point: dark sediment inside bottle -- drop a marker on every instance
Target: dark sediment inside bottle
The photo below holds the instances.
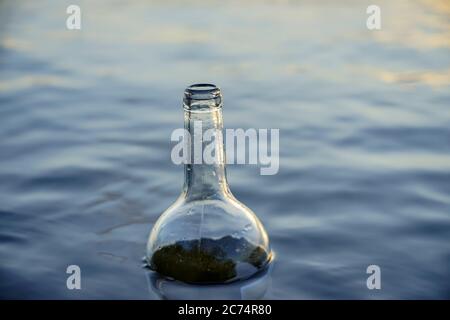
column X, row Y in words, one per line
column 209, row 260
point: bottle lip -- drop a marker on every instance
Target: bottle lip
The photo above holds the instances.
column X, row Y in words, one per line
column 202, row 97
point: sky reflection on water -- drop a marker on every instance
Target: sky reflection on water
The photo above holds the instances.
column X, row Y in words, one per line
column 364, row 119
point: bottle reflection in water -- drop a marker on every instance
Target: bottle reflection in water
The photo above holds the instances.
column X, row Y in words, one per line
column 253, row 288
column 207, row 236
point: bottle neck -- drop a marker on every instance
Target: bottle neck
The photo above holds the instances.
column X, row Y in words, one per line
column 205, row 172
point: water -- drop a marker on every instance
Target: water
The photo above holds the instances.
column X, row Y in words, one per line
column 364, row 119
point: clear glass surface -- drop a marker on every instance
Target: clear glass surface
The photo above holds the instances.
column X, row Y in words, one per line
column 207, row 235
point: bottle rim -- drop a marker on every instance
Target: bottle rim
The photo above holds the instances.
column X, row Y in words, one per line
column 201, row 97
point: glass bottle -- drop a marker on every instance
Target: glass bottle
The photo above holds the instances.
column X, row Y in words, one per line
column 206, row 235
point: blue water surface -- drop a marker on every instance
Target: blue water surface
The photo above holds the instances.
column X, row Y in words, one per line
column 364, row 118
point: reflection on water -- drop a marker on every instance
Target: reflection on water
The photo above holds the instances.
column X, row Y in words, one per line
column 253, row 288
column 364, row 119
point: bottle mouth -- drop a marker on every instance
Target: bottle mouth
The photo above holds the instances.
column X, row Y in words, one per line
column 202, row 97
